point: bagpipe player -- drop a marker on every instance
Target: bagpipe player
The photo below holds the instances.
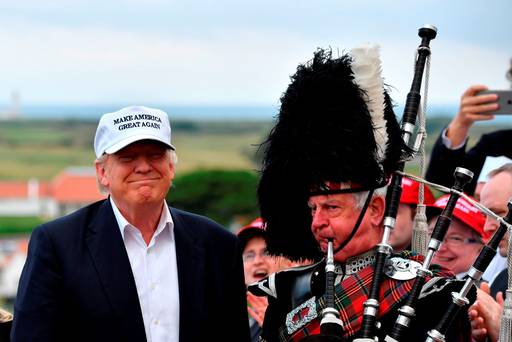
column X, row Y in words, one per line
column 326, row 165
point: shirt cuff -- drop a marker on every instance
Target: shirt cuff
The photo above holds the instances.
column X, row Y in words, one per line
column 448, row 143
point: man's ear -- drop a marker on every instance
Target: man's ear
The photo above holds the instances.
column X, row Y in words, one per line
column 101, row 173
column 173, row 171
column 376, row 210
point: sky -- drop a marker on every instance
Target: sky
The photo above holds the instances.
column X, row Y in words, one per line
column 232, row 52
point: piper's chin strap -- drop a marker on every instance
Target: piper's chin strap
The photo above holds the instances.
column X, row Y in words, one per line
column 358, row 222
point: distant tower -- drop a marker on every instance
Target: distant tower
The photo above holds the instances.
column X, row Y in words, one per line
column 14, row 111
column 509, row 73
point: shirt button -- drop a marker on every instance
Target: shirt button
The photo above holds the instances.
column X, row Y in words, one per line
column 156, row 322
column 152, row 286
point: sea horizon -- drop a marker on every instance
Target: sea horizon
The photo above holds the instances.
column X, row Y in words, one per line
column 195, row 112
column 181, row 112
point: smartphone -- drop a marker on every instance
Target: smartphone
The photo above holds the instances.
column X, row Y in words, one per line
column 504, row 101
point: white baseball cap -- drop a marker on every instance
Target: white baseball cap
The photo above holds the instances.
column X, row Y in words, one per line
column 119, row 129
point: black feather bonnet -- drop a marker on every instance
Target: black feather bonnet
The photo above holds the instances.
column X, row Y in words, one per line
column 336, row 124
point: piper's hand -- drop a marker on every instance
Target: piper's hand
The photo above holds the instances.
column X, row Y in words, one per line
column 473, row 107
column 257, row 307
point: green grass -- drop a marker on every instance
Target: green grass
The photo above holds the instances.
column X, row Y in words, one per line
column 18, row 225
column 41, row 149
column 217, row 151
column 46, row 133
column 40, row 161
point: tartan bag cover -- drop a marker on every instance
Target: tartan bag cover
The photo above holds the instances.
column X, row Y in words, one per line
column 350, row 295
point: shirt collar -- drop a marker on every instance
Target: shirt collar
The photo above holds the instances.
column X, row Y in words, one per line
column 356, row 263
column 122, row 222
column 461, row 275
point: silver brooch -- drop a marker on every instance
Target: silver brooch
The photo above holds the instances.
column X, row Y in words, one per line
column 301, row 315
column 401, row 269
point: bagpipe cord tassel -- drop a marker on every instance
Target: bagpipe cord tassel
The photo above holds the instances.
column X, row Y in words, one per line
column 420, row 236
column 420, row 230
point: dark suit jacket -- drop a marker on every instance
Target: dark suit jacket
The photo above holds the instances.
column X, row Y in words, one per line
column 443, row 161
column 500, row 283
column 77, row 283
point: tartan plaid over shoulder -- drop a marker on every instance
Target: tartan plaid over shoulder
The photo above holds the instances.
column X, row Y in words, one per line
column 350, row 295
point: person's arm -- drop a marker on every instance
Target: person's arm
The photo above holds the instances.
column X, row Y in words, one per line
column 473, row 107
column 37, row 308
column 443, row 161
column 449, row 150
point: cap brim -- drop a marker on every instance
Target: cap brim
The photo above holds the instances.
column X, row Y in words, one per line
column 435, row 211
column 246, row 234
column 432, row 211
column 125, row 142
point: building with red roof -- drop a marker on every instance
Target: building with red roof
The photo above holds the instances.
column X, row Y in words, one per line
column 71, row 189
column 74, row 188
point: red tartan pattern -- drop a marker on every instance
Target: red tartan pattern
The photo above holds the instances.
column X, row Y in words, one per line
column 352, row 292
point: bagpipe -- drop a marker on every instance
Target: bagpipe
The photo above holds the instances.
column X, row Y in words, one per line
column 462, row 177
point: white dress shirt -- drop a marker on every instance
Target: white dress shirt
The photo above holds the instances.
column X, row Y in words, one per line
column 156, row 275
column 497, row 264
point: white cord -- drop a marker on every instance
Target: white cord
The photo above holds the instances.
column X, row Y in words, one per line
column 445, row 189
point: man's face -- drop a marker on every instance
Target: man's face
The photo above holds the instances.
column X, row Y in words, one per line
column 137, row 175
column 402, row 232
column 478, row 190
column 257, row 264
column 495, row 195
column 459, row 249
column 334, row 217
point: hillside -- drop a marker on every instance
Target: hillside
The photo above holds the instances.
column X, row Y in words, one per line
column 42, row 148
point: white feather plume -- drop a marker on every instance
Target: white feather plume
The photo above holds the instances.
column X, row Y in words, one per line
column 366, row 67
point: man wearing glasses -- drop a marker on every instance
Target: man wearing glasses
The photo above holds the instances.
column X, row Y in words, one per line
column 464, row 239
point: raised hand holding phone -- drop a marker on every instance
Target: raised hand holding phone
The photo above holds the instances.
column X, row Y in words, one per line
column 474, row 106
